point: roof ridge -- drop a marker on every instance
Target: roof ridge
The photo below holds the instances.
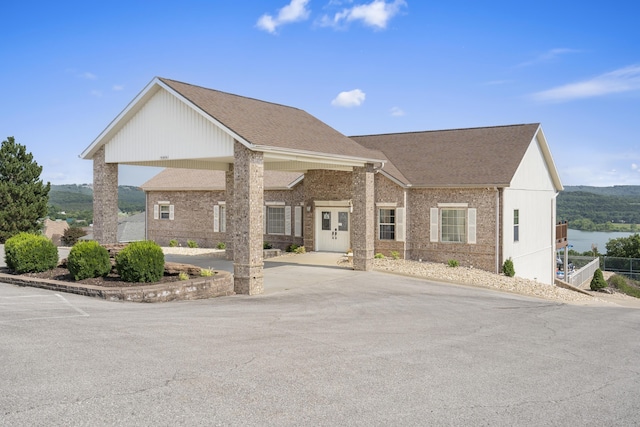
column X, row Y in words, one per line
column 445, row 130
column 164, row 79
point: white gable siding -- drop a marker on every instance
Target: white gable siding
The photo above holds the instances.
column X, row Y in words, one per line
column 532, row 193
column 168, row 129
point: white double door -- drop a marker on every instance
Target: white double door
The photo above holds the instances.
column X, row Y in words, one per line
column 332, row 229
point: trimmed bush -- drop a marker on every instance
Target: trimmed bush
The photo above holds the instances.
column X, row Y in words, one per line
column 221, row 245
column 597, row 282
column 453, row 263
column 173, row 243
column 72, row 234
column 192, row 243
column 267, row 245
column 30, row 253
column 140, row 262
column 507, row 268
column 88, row 259
column 300, row 250
column 292, row 247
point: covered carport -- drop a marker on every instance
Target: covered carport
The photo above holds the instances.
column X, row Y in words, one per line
column 178, row 125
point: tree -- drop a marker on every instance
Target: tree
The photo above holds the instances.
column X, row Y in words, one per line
column 23, row 195
column 624, row 247
column 597, row 282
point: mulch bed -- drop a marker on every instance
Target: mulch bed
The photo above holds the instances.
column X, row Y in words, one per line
column 110, row 281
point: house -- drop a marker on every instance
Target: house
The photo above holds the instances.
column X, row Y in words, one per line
column 245, row 171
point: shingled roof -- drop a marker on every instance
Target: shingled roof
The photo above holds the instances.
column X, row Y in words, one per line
column 486, row 156
column 265, row 124
column 206, row 180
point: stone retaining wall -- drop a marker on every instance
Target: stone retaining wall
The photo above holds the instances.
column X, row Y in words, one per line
column 220, row 284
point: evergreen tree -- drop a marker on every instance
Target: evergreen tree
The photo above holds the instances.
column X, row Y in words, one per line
column 23, row 195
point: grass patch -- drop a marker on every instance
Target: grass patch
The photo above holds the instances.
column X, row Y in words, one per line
column 625, row 285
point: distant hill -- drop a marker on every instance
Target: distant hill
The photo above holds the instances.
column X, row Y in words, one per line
column 75, row 198
column 617, row 204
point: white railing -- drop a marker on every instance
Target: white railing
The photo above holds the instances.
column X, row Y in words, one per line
column 580, row 276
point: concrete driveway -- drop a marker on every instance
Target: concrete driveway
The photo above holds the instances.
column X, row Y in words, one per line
column 323, row 346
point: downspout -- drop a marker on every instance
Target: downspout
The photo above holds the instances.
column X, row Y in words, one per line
column 406, row 225
column 497, row 229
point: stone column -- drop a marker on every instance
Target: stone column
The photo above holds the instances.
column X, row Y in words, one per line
column 229, row 206
column 105, row 199
column 363, row 218
column 248, row 202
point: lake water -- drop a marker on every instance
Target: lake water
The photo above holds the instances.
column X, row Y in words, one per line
column 582, row 240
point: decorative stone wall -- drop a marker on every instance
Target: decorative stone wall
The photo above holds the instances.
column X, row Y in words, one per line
column 481, row 255
column 248, row 199
column 192, row 220
column 362, row 218
column 105, row 199
column 229, row 183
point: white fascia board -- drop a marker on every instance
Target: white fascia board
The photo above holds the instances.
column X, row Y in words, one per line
column 394, row 179
column 275, row 153
column 131, row 108
column 137, row 103
column 544, row 146
column 296, row 181
column 213, row 120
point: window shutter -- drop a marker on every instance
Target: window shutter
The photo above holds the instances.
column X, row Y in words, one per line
column 171, row 212
column 298, row 221
column 471, row 212
column 156, row 212
column 287, row 220
column 216, row 218
column 433, row 231
column 264, row 220
column 400, row 224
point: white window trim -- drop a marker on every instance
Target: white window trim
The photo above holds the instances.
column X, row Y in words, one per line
column 380, row 223
column 435, row 223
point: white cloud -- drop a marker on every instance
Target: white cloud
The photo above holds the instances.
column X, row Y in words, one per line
column 117, row 88
column 622, row 80
column 96, row 93
column 634, row 167
column 293, row 12
column 88, row 76
column 397, row 112
column 549, row 56
column 376, row 14
column 352, row 98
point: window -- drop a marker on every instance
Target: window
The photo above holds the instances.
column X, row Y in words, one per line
column 343, row 221
column 326, row 221
column 387, row 221
column 275, row 220
column 164, row 211
column 516, row 225
column 453, row 225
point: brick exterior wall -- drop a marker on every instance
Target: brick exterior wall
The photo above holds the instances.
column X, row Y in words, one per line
column 481, row 255
column 193, row 218
column 386, row 191
column 362, row 218
column 290, row 198
column 105, row 199
column 323, row 185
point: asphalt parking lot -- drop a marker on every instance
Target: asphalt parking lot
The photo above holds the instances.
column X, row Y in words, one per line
column 322, row 346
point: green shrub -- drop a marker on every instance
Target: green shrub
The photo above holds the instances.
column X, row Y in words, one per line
column 72, row 234
column 140, row 262
column 221, row 245
column 395, row 254
column 292, row 247
column 624, row 285
column 597, row 282
column 183, row 276
column 300, row 250
column 88, row 259
column 206, row 272
column 30, row 253
column 173, row 243
column 507, row 268
column 192, row 243
column 379, row 256
column 267, row 245
column 453, row 263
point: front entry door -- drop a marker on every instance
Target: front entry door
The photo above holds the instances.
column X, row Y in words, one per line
column 333, row 229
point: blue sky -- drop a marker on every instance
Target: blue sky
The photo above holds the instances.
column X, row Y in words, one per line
column 361, row 66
